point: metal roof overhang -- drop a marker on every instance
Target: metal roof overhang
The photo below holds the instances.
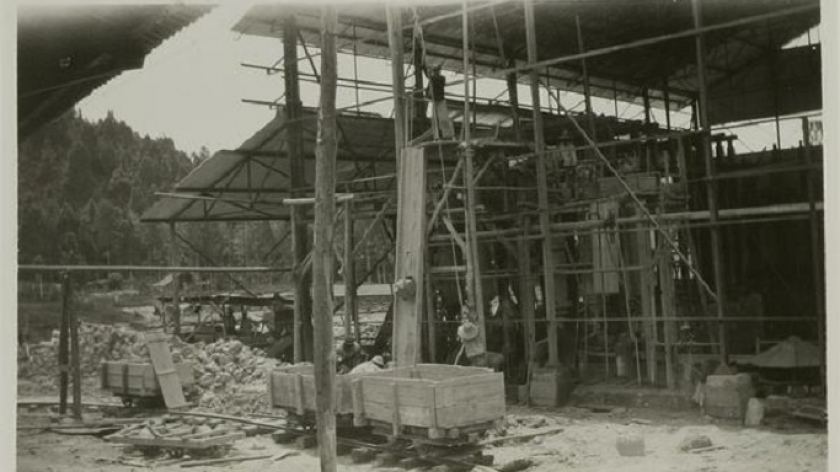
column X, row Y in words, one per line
column 66, row 52
column 623, row 75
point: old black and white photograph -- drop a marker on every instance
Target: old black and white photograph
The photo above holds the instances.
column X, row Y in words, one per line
column 420, row 235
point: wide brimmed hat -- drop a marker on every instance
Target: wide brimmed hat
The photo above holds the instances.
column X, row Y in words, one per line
column 468, row 331
column 378, row 360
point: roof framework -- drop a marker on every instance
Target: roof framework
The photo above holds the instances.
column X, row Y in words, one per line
column 66, row 52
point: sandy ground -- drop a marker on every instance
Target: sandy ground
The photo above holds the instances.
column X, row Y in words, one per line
column 586, row 444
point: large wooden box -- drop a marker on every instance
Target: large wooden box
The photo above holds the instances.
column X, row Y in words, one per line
column 433, row 397
column 293, row 388
column 138, row 379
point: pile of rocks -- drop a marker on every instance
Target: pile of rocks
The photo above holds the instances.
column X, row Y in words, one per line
column 230, row 376
column 97, row 343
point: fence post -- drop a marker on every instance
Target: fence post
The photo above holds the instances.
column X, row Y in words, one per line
column 63, row 348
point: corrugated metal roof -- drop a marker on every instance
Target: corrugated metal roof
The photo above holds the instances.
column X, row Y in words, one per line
column 66, row 52
column 603, row 24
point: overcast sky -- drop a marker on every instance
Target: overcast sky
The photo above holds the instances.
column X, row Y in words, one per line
column 191, row 89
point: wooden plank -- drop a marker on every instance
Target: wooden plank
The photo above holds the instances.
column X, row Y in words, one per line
column 408, row 415
column 486, row 388
column 170, row 383
column 411, row 204
column 359, row 418
column 469, row 413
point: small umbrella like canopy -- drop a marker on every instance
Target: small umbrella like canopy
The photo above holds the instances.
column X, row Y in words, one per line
column 790, row 353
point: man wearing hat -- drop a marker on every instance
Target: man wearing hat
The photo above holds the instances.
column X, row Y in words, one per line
column 441, row 124
column 374, row 365
column 471, row 345
column 349, row 355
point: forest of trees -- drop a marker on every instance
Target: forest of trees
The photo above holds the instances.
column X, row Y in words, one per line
column 82, row 187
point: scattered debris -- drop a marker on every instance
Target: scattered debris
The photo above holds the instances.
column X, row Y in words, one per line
column 520, row 437
column 284, row 455
column 630, row 445
column 516, row 465
column 225, row 460
column 707, row 449
column 695, row 441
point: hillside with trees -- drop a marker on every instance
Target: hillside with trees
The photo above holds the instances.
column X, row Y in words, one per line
column 82, row 187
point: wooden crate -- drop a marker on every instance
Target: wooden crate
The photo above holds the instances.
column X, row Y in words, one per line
column 293, row 388
column 442, row 400
column 139, row 380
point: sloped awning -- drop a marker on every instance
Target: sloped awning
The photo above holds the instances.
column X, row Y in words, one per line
column 249, row 183
column 67, row 51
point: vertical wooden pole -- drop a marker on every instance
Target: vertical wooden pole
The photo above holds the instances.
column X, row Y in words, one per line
column 475, row 293
column 513, row 97
column 176, row 281
column 75, row 354
column 419, row 102
column 393, row 16
column 667, row 99
column 431, row 315
column 542, row 189
column 587, row 95
column 465, row 47
column 669, row 309
column 350, row 313
column 816, row 249
column 297, row 180
column 63, row 345
column 714, row 229
column 322, row 260
column 526, row 296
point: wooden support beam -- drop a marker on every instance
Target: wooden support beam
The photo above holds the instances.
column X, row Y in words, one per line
column 711, row 188
column 64, row 345
column 542, row 191
column 325, row 157
column 294, row 148
column 669, row 310
column 526, row 299
column 380, row 215
column 75, row 353
column 351, row 316
column 410, row 257
column 393, row 16
column 475, row 295
column 175, row 259
column 587, row 94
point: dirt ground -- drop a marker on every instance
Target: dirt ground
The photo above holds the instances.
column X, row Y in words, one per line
column 586, row 444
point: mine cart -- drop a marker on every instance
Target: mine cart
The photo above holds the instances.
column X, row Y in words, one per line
column 133, row 381
column 432, row 403
column 292, row 388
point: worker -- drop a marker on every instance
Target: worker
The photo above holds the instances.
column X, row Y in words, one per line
column 441, row 124
column 349, row 355
column 471, row 345
column 473, row 349
column 374, row 365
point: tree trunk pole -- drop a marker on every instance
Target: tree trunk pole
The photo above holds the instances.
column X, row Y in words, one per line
column 302, row 331
column 711, row 189
column 75, row 355
column 322, row 266
column 63, row 345
column 351, row 320
column 176, row 284
column 542, row 189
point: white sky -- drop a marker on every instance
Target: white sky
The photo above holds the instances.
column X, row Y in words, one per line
column 191, row 89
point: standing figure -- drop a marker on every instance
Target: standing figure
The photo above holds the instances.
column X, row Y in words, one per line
column 441, row 124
